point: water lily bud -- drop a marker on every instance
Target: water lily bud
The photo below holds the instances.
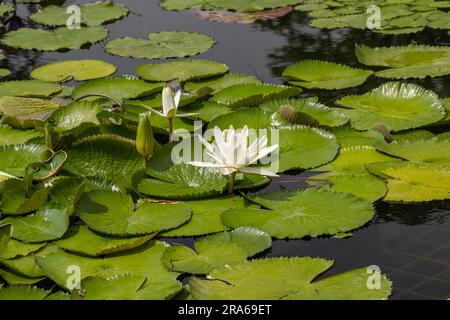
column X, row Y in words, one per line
column 145, row 142
column 168, row 102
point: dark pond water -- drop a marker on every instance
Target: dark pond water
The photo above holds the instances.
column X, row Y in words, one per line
column 408, row 242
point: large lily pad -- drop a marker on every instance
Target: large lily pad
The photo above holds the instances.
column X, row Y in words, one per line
column 76, row 114
column 260, row 279
column 79, row 239
column 58, row 39
column 117, row 87
column 105, row 156
column 161, row 45
column 325, row 75
column 23, row 292
column 218, row 83
column 28, row 88
column 412, row 61
column 92, row 14
column 252, row 94
column 399, row 106
column 17, row 198
column 182, row 70
column 11, row 136
column 297, row 214
column 216, row 251
column 143, row 261
column 15, row 158
column 348, row 137
column 432, row 150
column 126, row 287
column 78, row 70
column 114, row 213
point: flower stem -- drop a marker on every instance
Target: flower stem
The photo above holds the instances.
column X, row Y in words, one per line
column 170, row 128
column 232, row 182
column 145, row 162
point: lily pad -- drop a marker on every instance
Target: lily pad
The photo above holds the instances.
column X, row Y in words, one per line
column 78, row 70
column 76, row 114
column 235, row 5
column 117, row 87
column 348, row 137
column 241, row 95
column 23, row 292
column 325, row 75
column 218, row 83
column 105, row 156
column 161, row 45
column 217, row 250
column 228, row 16
column 92, row 14
column 432, row 150
column 296, row 214
column 143, row 261
column 18, row 199
column 28, row 88
column 114, row 213
column 81, row 240
column 14, row 159
column 364, row 186
column 399, row 106
column 260, row 279
column 183, row 70
column 5, row 8
column 412, row 61
column 12, row 136
column 58, row 39
column 125, row 287
column 4, row 73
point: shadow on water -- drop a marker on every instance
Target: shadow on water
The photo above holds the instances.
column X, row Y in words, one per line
column 409, row 242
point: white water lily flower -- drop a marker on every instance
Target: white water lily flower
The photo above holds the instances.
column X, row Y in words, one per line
column 170, row 102
column 232, row 153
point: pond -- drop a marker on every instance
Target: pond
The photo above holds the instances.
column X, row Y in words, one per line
column 409, row 242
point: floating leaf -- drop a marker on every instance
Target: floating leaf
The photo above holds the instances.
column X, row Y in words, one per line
column 143, row 261
column 91, row 14
column 13, row 278
column 15, row 159
column 23, row 293
column 241, row 95
column 412, row 61
column 28, row 88
column 217, row 250
column 182, row 70
column 161, row 45
column 4, row 73
column 12, row 136
column 366, row 187
column 78, row 70
column 399, row 106
column 325, row 116
column 58, row 39
column 206, row 216
column 126, row 287
column 297, row 214
column 76, row 114
column 5, row 8
column 16, row 249
column 348, row 137
column 260, row 279
column 117, row 87
column 235, row 5
column 18, row 199
column 325, row 75
column 80, row 239
column 432, row 150
column 218, row 83
column 105, row 156
column 114, row 213
column 227, row 16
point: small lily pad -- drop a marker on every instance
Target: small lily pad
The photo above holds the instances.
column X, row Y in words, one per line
column 28, row 88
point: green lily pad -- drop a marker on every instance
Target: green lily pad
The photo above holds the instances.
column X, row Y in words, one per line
column 22, row 112
column 206, row 216
column 114, row 213
column 5, row 8
column 260, row 279
column 399, row 106
column 16, row 249
column 412, row 61
column 78, row 70
column 4, row 73
column 325, row 116
column 183, row 70
column 126, row 287
column 13, row 278
column 218, row 83
column 241, row 95
column 417, row 183
column 366, row 186
column 81, row 240
column 348, row 137
column 76, row 114
column 117, row 87
column 235, row 5
column 12, row 136
column 92, row 14
column 15, row 158
column 23, row 292
column 17, row 199
column 217, row 250
column 432, row 150
column 207, row 110
column 161, row 45
column 296, row 214
column 143, row 261
column 105, row 156
column 28, row 88
column 325, row 75
column 58, row 39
